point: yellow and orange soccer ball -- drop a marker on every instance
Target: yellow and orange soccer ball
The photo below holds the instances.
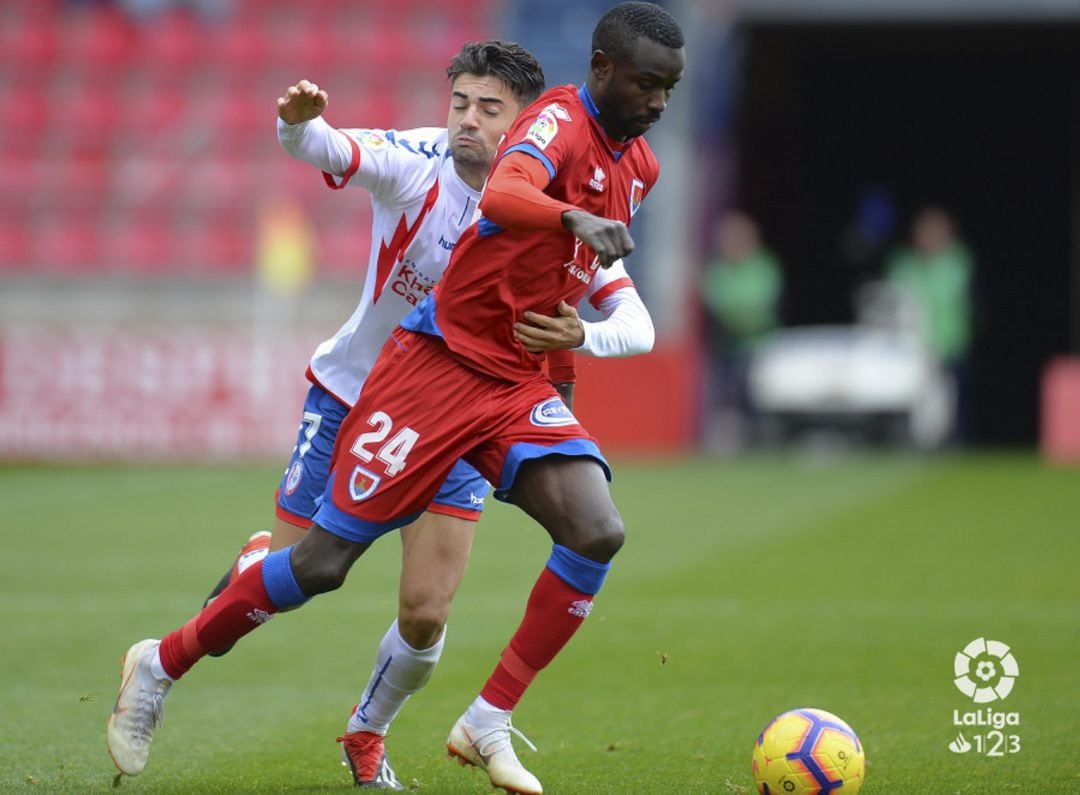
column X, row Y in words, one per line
column 806, row 752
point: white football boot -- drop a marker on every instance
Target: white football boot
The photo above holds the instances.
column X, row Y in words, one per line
column 139, row 709
column 488, row 747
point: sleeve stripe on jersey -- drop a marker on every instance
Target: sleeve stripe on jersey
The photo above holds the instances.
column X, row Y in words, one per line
column 354, row 166
column 529, row 149
column 484, row 227
column 608, row 289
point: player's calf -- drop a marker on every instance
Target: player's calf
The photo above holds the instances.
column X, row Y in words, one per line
column 256, row 548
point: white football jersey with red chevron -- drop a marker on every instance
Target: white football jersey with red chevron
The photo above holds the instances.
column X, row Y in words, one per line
column 420, row 207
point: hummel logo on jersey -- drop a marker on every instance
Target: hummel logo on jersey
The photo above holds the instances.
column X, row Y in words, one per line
column 259, row 616
column 597, row 181
column 580, row 608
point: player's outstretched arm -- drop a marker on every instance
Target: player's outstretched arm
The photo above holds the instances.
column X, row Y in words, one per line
column 305, row 135
column 302, row 102
column 514, row 199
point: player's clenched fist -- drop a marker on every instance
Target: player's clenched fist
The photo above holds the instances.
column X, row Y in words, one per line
column 609, row 239
column 302, row 102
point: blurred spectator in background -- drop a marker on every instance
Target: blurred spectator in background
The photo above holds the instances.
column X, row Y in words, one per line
column 866, row 236
column 284, row 247
column 935, row 272
column 741, row 290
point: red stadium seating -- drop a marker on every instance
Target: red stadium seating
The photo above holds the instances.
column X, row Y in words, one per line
column 142, row 147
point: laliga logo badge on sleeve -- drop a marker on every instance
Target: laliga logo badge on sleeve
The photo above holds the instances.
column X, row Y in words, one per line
column 543, row 130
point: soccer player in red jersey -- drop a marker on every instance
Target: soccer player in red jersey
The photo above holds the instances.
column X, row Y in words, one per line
column 454, row 381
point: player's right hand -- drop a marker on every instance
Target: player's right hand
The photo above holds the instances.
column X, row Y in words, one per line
column 301, row 102
column 609, row 239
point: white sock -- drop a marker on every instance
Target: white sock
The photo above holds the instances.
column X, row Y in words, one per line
column 156, row 667
column 483, row 713
column 400, row 670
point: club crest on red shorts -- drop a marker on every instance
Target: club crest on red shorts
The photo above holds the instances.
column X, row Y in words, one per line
column 362, row 484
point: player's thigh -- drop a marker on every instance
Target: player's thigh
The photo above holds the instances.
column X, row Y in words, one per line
column 548, row 465
column 569, row 497
column 419, row 412
column 435, row 554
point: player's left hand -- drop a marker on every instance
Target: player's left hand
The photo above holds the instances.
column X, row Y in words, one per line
column 543, row 333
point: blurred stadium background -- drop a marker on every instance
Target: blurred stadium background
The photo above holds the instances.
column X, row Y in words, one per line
column 165, row 268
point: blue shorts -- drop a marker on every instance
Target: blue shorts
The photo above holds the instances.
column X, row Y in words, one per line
column 301, row 490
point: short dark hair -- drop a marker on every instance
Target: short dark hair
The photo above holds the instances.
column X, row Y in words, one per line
column 619, row 29
column 506, row 60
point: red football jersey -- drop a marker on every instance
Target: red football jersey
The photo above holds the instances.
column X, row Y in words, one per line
column 495, row 274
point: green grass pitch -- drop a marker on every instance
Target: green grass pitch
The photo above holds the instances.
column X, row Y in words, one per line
column 746, row 587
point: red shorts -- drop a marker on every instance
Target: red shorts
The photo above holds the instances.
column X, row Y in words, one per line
column 420, row 411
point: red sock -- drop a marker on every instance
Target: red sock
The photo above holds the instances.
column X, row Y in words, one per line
column 240, row 608
column 552, row 616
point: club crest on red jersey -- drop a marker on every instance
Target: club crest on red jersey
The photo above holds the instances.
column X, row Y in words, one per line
column 362, row 484
column 551, row 413
column 637, row 195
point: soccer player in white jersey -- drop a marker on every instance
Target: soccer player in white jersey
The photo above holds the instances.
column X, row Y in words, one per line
column 424, row 184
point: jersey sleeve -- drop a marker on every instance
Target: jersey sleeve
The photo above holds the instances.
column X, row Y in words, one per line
column 395, row 167
column 548, row 133
column 606, row 281
column 514, row 196
column 561, row 367
column 626, row 330
column 317, row 143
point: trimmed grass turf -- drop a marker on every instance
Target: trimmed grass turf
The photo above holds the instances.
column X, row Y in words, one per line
column 746, row 588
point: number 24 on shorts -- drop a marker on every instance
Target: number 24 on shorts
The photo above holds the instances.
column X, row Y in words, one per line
column 394, row 451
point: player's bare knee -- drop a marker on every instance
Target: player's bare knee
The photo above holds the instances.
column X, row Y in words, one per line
column 320, row 561
column 319, row 576
column 317, row 573
column 421, row 628
column 601, row 540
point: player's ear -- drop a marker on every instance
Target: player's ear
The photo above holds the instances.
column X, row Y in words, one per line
column 601, row 65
